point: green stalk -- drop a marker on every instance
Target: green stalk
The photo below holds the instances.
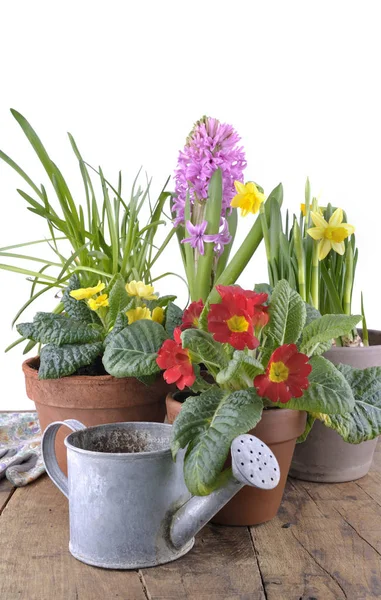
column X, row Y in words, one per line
column 189, row 258
column 307, row 201
column 246, row 250
column 266, row 239
column 299, row 252
column 348, row 281
column 315, row 266
column 365, row 332
column 212, row 216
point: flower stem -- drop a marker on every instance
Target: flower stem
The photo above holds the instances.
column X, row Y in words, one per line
column 348, row 283
column 299, row 251
column 315, row 266
column 212, row 216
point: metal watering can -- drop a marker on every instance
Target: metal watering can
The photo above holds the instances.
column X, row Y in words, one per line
column 128, row 502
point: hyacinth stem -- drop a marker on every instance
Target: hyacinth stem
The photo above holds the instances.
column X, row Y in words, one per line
column 204, row 278
column 222, row 261
column 299, row 251
column 348, row 282
column 189, row 259
column 246, row 250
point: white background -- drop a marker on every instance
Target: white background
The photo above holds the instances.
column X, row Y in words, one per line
column 300, row 81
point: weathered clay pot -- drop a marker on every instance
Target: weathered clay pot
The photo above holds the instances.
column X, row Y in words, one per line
column 279, row 429
column 93, row 400
column 324, row 456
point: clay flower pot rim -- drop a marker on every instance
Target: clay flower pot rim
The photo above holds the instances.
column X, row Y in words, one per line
column 29, row 371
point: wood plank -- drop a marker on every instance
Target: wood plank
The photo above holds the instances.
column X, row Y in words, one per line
column 35, row 562
column 324, row 552
column 6, row 491
column 221, row 566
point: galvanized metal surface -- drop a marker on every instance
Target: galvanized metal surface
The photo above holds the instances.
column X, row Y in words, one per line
column 125, row 492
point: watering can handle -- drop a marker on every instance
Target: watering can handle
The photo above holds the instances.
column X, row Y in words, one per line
column 49, row 452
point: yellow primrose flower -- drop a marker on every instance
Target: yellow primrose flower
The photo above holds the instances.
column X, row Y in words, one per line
column 321, row 209
column 330, row 235
column 98, row 302
column 158, row 315
column 136, row 314
column 248, row 198
column 140, row 289
column 83, row 293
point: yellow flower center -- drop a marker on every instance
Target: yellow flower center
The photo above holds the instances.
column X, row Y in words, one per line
column 278, row 372
column 336, row 234
column 237, row 324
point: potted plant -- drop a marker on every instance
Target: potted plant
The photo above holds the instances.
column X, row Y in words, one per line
column 100, row 240
column 69, row 380
column 266, row 373
column 109, row 232
column 208, row 190
column 317, row 254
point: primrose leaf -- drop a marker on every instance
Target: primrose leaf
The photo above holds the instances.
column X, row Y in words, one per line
column 60, row 361
column 319, row 333
column 205, row 349
column 287, row 314
column 363, row 422
column 173, row 318
column 329, row 392
column 58, row 329
column 78, row 309
column 162, row 301
column 133, row 351
column 208, row 424
column 118, row 299
column 242, row 366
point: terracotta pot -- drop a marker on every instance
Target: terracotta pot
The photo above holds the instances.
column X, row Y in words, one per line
column 279, row 429
column 93, row 400
column 324, row 456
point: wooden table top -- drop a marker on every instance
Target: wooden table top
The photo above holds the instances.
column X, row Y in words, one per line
column 325, row 544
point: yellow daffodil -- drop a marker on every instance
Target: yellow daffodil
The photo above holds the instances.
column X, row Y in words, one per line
column 136, row 314
column 330, row 235
column 248, row 198
column 321, row 209
column 140, row 289
column 98, row 302
column 158, row 314
column 83, row 293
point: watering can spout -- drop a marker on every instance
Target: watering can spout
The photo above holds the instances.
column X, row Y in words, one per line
column 253, row 464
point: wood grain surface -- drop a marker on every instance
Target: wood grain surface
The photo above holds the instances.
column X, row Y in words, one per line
column 325, row 544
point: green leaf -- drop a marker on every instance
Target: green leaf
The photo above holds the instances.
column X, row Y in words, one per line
column 312, row 313
column 329, row 392
column 77, row 309
column 242, row 365
column 121, row 322
column 264, row 288
column 162, row 301
column 58, row 329
column 59, row 361
column 133, row 351
column 309, row 424
column 287, row 314
column 208, row 424
column 205, row 349
column 363, row 422
column 318, row 335
column 118, row 299
column 200, row 384
column 173, row 318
